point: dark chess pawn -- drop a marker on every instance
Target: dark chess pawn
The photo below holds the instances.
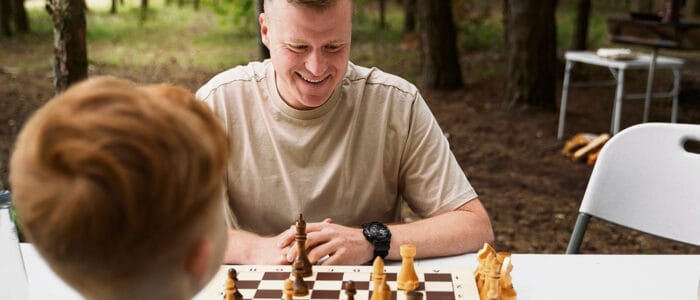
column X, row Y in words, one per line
column 350, row 289
column 414, row 295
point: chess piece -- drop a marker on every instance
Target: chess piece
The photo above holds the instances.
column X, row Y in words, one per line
column 288, row 291
column 232, row 292
column 301, row 247
column 300, row 287
column 350, row 289
column 491, row 290
column 482, row 257
column 506, row 282
column 414, row 295
column 380, row 290
column 407, row 279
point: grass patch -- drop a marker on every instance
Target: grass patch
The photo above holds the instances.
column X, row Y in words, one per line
column 171, row 35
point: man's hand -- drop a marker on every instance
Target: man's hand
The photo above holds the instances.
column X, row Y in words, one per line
column 341, row 245
column 250, row 249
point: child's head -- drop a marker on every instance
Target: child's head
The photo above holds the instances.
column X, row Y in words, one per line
column 120, row 188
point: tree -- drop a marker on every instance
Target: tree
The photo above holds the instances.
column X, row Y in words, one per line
column 113, row 8
column 144, row 11
column 409, row 16
column 259, row 8
column 382, row 14
column 580, row 37
column 70, row 51
column 531, row 47
column 5, row 14
column 19, row 14
column 440, row 60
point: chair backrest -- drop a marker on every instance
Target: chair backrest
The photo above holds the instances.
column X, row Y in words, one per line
column 646, row 179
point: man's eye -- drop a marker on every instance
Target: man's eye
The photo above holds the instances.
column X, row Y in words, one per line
column 333, row 48
column 297, row 48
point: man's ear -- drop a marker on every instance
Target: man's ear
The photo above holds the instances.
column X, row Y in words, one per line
column 264, row 30
column 197, row 261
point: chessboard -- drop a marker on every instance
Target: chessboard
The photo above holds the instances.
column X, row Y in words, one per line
column 267, row 282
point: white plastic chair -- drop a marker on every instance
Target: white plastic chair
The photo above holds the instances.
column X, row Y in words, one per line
column 645, row 179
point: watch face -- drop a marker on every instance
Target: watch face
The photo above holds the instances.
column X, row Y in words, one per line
column 377, row 231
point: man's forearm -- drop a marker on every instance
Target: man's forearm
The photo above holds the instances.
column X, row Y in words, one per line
column 250, row 249
column 463, row 230
column 239, row 246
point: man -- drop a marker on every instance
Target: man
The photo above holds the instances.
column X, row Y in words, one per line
column 341, row 144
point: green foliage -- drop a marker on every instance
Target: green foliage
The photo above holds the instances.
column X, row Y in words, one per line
column 372, row 46
column 481, row 34
column 213, row 37
column 597, row 26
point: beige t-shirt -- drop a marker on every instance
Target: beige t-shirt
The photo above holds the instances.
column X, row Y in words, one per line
column 352, row 159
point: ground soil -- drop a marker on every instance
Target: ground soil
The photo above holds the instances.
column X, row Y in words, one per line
column 511, row 156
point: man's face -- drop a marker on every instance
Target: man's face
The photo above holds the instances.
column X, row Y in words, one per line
column 309, row 49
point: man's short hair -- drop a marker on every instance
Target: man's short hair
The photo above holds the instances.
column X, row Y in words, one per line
column 109, row 178
column 319, row 5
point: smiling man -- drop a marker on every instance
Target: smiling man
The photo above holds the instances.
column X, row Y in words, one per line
column 340, row 143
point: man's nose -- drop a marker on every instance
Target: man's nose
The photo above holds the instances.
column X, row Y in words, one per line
column 316, row 63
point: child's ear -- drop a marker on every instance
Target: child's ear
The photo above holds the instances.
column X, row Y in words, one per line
column 264, row 30
column 198, row 261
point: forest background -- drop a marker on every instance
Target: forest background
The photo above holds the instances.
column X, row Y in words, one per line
column 510, row 153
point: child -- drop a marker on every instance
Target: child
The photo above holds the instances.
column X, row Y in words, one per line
column 120, row 188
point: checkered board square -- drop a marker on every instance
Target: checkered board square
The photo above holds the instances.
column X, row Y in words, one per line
column 267, row 282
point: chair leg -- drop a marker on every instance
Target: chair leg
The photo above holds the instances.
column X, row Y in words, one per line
column 578, row 233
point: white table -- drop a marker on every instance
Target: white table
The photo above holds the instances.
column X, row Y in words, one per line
column 618, row 68
column 535, row 276
column 13, row 281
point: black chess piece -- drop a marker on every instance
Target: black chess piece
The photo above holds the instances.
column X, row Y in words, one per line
column 350, row 289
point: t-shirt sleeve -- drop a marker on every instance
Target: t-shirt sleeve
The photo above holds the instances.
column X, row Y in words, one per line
column 431, row 181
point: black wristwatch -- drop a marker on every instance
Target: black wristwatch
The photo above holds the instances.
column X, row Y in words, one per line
column 379, row 235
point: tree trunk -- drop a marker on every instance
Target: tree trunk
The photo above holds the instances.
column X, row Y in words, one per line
column 113, row 8
column 19, row 13
column 196, row 4
column 144, row 10
column 580, row 37
column 440, row 68
column 5, row 15
column 382, row 14
column 70, row 51
column 264, row 52
column 409, row 16
column 672, row 11
column 531, row 53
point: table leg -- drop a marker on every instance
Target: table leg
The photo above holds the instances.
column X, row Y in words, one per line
column 676, row 90
column 650, row 84
column 617, row 106
column 564, row 96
